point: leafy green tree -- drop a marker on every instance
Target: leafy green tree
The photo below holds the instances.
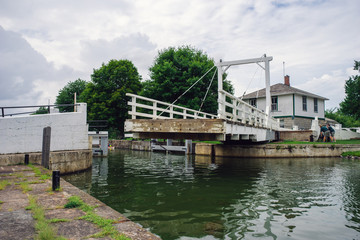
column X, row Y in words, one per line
column 175, row 70
column 345, row 120
column 105, row 94
column 41, row 110
column 66, row 94
column 351, row 103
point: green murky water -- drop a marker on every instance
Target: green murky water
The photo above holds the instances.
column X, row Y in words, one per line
column 180, row 197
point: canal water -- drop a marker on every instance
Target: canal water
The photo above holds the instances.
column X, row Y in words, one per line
column 196, row 197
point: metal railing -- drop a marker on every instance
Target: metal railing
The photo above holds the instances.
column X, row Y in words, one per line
column 142, row 107
column 97, row 125
column 45, row 107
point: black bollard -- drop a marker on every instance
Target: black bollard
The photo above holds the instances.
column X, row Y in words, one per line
column 26, row 161
column 56, row 180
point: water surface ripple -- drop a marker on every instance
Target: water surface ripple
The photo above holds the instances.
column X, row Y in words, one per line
column 180, row 197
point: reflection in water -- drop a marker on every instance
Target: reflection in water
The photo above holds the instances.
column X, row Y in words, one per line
column 186, row 197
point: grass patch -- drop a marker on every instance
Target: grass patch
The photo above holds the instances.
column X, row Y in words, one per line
column 51, row 192
column 211, row 142
column 45, row 177
column 56, row 220
column 36, row 182
column 74, row 202
column 356, row 141
column 38, row 172
column 351, row 153
column 103, row 223
column 43, row 228
column 25, row 187
column 19, row 175
column 3, row 184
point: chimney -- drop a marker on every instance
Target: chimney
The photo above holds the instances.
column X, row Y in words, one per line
column 287, row 80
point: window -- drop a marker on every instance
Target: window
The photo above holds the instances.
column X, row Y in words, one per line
column 304, row 103
column 253, row 102
column 274, row 103
column 315, row 105
column 282, row 123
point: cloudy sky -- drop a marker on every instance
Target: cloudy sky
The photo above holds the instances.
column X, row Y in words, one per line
column 44, row 43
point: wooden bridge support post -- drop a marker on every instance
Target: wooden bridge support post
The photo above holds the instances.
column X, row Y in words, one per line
column 267, row 91
column 189, row 148
column 104, row 144
column 45, row 157
column 221, row 95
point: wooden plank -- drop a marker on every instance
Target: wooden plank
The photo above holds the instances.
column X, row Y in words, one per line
column 174, row 135
column 216, row 126
column 45, row 158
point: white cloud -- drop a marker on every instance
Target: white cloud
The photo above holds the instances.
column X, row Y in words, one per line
column 67, row 39
column 135, row 47
column 330, row 85
column 26, row 77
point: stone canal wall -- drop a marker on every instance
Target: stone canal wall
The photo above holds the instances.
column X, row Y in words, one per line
column 249, row 151
column 64, row 161
column 275, row 150
column 132, row 145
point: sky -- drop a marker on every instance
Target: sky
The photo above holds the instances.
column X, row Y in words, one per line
column 44, row 44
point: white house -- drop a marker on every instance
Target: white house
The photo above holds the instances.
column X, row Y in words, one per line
column 294, row 107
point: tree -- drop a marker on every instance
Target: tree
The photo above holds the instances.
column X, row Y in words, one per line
column 105, row 94
column 66, row 94
column 175, row 70
column 351, row 104
column 41, row 110
column 345, row 120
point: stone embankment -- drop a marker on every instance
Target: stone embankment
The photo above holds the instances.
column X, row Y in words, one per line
column 64, row 161
column 253, row 151
column 275, row 150
column 22, row 218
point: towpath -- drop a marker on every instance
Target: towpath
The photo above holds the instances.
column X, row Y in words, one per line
column 26, row 189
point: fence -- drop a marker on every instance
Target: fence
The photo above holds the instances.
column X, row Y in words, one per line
column 41, row 109
column 230, row 107
column 235, row 109
column 142, row 107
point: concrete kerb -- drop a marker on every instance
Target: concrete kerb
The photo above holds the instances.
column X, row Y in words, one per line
column 64, row 161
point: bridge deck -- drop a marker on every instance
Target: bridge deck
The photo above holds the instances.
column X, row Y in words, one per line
column 197, row 129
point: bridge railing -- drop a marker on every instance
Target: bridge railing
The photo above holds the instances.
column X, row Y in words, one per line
column 235, row 109
column 142, row 107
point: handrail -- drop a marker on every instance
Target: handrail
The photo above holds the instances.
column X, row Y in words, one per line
column 33, row 106
column 47, row 105
column 240, row 111
column 243, row 112
column 169, row 109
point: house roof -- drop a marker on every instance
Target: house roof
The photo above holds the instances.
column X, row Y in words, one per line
column 281, row 89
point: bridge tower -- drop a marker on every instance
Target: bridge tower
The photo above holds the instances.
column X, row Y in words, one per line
column 227, row 65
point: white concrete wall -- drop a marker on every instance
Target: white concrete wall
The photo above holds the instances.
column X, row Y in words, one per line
column 345, row 134
column 69, row 131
